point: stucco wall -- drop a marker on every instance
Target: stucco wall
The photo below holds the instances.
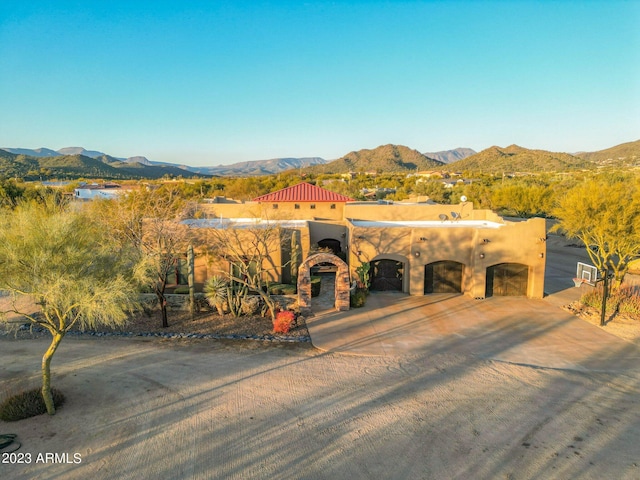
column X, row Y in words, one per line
column 398, row 211
column 476, row 248
column 285, row 210
column 321, row 230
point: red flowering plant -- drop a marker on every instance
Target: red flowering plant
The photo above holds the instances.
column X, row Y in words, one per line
column 283, row 322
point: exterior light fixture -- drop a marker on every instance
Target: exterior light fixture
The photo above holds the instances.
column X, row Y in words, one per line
column 541, row 255
column 423, row 239
column 485, row 240
column 416, row 254
column 482, row 255
column 358, row 253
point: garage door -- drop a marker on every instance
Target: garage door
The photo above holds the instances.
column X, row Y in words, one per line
column 443, row 277
column 507, row 279
column 386, row 275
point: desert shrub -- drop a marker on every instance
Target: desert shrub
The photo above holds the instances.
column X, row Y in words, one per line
column 251, row 305
column 623, row 300
column 593, row 298
column 629, row 300
column 216, row 292
column 630, row 306
column 27, row 404
column 358, row 298
column 283, row 322
column 364, row 278
column 182, row 289
column 282, row 289
column 316, row 282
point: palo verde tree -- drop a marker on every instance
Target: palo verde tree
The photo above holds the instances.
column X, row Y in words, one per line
column 58, row 258
column 150, row 223
column 248, row 253
column 605, row 215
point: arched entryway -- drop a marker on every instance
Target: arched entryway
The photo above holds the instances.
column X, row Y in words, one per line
column 507, row 279
column 304, row 281
column 331, row 243
column 387, row 275
column 443, row 277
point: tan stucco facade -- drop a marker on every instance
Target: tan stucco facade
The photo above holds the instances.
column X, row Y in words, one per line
column 486, row 253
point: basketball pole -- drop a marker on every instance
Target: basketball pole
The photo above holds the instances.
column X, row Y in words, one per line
column 605, row 289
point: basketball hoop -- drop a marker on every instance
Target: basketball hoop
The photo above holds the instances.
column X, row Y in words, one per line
column 586, row 273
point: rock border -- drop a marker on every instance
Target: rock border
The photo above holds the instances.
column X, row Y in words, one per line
column 170, row 335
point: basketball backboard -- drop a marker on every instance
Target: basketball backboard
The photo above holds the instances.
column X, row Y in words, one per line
column 587, row 273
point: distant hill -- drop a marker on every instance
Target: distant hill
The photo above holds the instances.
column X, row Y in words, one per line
column 28, row 163
column 449, row 156
column 38, row 152
column 47, row 152
column 518, row 159
column 256, row 167
column 386, row 158
column 80, row 151
column 626, row 154
column 79, row 166
column 260, row 167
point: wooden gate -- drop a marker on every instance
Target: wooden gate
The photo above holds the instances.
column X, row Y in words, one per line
column 386, row 275
column 443, row 277
column 507, row 279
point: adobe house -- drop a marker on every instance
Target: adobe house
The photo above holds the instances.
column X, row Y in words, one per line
column 415, row 248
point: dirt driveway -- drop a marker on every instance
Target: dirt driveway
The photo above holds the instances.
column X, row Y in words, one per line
column 206, row 409
column 472, row 403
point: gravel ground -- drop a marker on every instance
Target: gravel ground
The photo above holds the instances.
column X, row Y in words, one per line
column 180, row 323
column 200, row 409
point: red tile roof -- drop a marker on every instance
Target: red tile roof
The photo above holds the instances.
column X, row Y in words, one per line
column 303, row 192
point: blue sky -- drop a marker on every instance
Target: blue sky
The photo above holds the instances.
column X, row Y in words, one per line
column 208, row 82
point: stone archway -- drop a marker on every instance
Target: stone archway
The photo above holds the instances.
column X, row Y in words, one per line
column 304, row 281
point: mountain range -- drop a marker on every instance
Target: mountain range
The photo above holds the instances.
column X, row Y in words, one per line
column 518, row 159
column 76, row 162
column 514, row 158
column 256, row 167
column 75, row 166
column 386, row 158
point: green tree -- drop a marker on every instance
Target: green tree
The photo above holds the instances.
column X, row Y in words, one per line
column 57, row 258
column 523, row 200
column 149, row 222
column 605, row 216
column 10, row 193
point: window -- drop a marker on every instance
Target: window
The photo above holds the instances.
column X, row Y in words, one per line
column 275, row 206
column 313, row 206
column 250, row 267
column 178, row 275
column 333, row 206
column 296, row 206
